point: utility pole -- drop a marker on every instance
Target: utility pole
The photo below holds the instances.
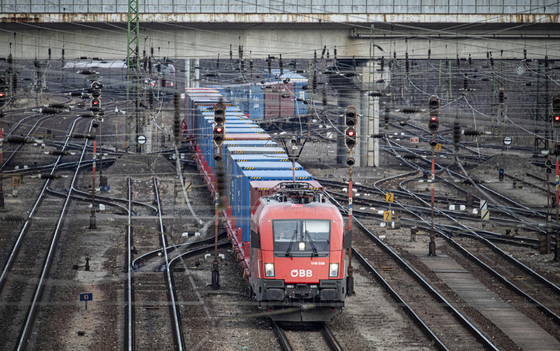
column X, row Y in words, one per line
column 132, row 74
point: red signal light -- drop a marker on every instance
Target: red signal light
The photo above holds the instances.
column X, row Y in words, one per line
column 219, row 130
column 434, row 118
column 96, row 102
column 1, row 94
column 557, row 118
column 351, row 133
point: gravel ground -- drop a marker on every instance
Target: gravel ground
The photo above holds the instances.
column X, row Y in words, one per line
column 371, row 317
column 224, row 319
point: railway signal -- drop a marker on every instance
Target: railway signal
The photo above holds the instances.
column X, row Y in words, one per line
column 501, row 175
column 219, row 132
column 95, row 104
column 433, row 106
column 556, row 110
column 387, row 116
column 457, row 135
column 3, row 91
column 219, row 113
column 95, row 96
column 350, row 120
column 218, row 135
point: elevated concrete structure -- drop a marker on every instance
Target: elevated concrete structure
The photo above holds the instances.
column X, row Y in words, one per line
column 204, row 28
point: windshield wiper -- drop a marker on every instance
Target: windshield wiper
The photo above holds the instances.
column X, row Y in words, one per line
column 291, row 243
column 307, row 238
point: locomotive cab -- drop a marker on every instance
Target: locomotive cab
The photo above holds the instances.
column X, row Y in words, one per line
column 297, row 254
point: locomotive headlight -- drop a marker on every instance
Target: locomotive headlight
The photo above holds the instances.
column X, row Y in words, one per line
column 269, row 269
column 333, row 271
column 301, row 246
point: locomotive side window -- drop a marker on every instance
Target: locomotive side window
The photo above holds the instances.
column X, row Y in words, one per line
column 301, row 238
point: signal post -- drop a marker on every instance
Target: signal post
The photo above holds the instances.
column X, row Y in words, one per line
column 218, row 135
column 433, row 125
column 95, row 106
column 3, row 102
column 556, row 124
column 350, row 120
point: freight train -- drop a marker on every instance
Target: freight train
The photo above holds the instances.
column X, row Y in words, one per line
column 288, row 238
column 280, row 95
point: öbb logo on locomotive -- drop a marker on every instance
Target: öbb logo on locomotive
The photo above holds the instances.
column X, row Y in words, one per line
column 301, row 273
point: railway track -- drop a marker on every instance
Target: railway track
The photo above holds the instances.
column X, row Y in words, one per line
column 423, row 208
column 315, row 336
column 454, row 329
column 153, row 295
column 546, row 285
column 26, row 266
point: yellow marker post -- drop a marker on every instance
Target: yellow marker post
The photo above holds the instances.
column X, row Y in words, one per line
column 389, row 197
column 387, row 216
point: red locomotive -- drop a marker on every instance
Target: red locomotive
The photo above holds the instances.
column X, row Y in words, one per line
column 297, row 254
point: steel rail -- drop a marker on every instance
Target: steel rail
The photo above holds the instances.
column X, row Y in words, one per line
column 173, row 307
column 504, row 281
column 281, row 337
column 129, row 307
column 15, row 249
column 198, row 250
column 40, row 285
column 510, row 212
column 488, row 235
column 500, row 252
column 84, row 198
column 431, row 290
column 408, row 310
column 136, row 262
column 12, row 154
column 329, row 338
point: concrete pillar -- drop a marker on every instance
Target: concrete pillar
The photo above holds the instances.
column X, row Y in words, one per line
column 373, row 128
column 187, row 73
column 196, row 73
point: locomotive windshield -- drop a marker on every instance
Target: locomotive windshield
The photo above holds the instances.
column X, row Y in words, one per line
column 303, row 237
